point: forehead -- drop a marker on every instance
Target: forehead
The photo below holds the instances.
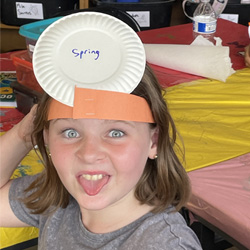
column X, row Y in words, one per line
column 95, row 121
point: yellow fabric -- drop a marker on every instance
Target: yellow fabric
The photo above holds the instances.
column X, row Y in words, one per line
column 213, row 118
column 30, row 165
column 12, row 236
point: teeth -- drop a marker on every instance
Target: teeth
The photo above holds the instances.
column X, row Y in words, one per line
column 94, row 177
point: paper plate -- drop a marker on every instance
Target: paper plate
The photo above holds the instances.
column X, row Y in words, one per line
column 88, row 50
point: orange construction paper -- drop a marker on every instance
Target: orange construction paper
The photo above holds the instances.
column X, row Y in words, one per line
column 102, row 104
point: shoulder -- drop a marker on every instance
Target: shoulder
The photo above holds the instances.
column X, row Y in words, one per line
column 166, row 230
column 18, row 186
column 181, row 236
column 17, row 193
column 54, row 219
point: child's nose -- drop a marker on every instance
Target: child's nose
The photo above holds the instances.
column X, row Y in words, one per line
column 91, row 150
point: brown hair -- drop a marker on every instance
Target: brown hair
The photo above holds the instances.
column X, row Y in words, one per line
column 164, row 181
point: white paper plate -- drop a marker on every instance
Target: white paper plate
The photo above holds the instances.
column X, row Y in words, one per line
column 88, row 50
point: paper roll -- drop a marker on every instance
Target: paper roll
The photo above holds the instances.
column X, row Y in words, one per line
column 207, row 61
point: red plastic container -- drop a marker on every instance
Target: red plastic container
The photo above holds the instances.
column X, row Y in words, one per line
column 24, row 70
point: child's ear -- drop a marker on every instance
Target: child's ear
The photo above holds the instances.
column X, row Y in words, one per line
column 154, row 143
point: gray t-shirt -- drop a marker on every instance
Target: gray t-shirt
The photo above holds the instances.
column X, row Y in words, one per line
column 65, row 230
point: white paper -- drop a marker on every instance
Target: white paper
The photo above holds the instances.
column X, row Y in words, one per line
column 230, row 17
column 142, row 17
column 29, row 10
column 198, row 59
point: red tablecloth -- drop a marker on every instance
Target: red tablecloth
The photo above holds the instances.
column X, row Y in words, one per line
column 232, row 34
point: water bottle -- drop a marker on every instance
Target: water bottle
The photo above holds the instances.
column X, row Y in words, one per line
column 204, row 20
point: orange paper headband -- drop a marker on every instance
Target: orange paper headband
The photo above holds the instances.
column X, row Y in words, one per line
column 102, row 104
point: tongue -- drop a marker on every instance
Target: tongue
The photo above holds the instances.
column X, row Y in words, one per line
column 94, row 187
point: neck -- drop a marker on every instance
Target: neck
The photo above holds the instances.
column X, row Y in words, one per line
column 113, row 217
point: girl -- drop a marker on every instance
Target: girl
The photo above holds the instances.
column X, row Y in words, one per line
column 103, row 186
column 107, row 183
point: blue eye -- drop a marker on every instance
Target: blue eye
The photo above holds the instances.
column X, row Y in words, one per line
column 116, row 133
column 71, row 133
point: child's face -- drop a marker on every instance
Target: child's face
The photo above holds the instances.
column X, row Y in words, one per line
column 100, row 161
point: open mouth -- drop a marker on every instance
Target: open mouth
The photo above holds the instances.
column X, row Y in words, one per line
column 93, row 183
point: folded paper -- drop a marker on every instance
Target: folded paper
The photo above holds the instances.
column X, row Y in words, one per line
column 202, row 60
column 102, row 104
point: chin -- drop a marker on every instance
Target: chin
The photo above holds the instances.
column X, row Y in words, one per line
column 92, row 203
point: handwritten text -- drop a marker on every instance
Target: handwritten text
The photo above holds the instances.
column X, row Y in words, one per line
column 86, row 52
